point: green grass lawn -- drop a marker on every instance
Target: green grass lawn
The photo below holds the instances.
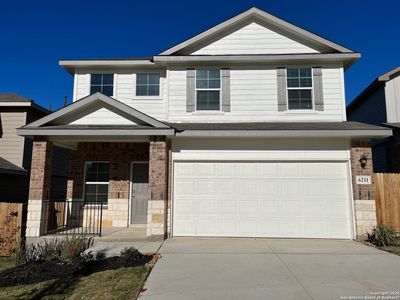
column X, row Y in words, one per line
column 122, row 283
column 391, row 249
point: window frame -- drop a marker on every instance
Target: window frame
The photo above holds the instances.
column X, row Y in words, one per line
column 208, row 89
column 94, row 182
column 102, row 73
column 159, row 85
column 312, row 109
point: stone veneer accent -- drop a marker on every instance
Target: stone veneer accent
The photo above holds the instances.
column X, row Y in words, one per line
column 39, row 188
column 364, row 197
column 158, row 184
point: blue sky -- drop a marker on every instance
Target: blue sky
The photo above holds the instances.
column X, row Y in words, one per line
column 36, row 34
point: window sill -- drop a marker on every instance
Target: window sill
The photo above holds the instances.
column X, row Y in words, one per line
column 147, row 98
column 208, row 112
column 301, row 112
column 87, row 206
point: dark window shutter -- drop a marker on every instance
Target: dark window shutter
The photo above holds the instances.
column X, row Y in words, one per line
column 190, row 90
column 282, row 101
column 226, row 89
column 318, row 91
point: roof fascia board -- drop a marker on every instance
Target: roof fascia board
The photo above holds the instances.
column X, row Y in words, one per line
column 71, row 65
column 85, row 102
column 93, row 132
column 257, row 58
column 264, row 16
column 379, row 133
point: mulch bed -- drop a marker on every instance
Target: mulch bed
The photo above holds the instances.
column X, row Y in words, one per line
column 45, row 270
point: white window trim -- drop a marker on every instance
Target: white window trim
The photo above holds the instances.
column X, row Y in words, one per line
column 209, row 111
column 104, row 73
column 93, row 182
column 161, row 85
column 301, row 111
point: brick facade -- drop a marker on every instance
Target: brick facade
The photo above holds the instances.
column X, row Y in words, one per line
column 39, row 188
column 364, row 197
column 120, row 156
column 158, row 183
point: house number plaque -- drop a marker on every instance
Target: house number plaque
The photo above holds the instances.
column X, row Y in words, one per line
column 363, row 179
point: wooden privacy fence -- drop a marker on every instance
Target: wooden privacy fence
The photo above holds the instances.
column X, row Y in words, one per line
column 12, row 226
column 387, row 195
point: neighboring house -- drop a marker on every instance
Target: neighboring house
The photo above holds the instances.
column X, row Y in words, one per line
column 16, row 151
column 379, row 104
column 239, row 131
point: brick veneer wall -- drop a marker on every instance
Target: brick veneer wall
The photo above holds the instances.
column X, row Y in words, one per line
column 39, row 188
column 158, row 182
column 364, row 197
column 120, row 156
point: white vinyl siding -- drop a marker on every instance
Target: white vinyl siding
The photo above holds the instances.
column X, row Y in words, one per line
column 254, row 97
column 11, row 144
column 254, row 39
column 102, row 116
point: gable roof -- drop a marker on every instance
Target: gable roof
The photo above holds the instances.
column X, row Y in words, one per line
column 66, row 113
column 259, row 15
column 372, row 87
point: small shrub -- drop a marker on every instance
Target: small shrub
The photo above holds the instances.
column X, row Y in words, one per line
column 71, row 249
column 383, row 236
column 131, row 254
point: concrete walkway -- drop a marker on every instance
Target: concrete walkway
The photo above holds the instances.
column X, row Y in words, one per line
column 110, row 248
column 193, row 268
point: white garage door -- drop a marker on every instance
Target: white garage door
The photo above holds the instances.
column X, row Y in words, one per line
column 261, row 199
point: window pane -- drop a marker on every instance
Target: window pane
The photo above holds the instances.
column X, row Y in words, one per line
column 207, row 100
column 95, row 79
column 201, row 84
column 300, row 99
column 306, row 82
column 141, row 90
column 214, row 74
column 293, row 82
column 305, row 72
column 214, row 84
column 95, row 89
column 154, row 90
column 108, row 90
column 154, row 79
column 97, row 172
column 108, row 79
column 203, row 74
column 292, row 72
column 141, row 79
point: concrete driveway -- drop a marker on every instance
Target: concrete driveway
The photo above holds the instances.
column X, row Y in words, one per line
column 199, row 268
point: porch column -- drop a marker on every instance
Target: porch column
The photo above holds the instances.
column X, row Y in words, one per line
column 158, row 183
column 363, row 193
column 39, row 188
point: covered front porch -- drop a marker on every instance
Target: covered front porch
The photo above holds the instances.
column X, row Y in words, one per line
column 117, row 175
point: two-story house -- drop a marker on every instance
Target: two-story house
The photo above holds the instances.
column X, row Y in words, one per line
column 16, row 151
column 239, row 131
column 379, row 104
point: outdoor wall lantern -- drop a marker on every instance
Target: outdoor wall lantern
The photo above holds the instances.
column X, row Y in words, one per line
column 363, row 161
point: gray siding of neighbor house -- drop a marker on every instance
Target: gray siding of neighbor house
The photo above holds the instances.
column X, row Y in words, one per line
column 373, row 111
column 12, row 145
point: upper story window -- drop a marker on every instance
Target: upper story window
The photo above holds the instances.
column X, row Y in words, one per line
column 208, row 89
column 103, row 83
column 148, row 84
column 97, row 176
column 299, row 88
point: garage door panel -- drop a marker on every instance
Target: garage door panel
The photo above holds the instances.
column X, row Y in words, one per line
column 265, row 199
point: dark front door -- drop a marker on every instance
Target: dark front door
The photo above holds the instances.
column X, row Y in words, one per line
column 140, row 192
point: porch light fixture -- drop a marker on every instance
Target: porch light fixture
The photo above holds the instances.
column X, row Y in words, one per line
column 363, row 161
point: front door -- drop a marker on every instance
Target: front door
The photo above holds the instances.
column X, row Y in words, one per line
column 139, row 192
